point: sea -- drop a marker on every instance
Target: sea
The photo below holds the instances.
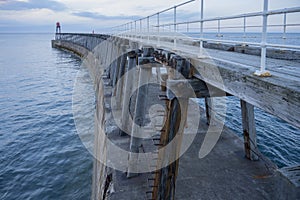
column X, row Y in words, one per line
column 45, row 143
column 42, row 156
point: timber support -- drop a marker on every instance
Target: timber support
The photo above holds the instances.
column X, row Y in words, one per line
column 249, row 131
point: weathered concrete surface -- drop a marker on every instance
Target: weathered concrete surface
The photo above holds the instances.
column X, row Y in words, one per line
column 289, row 182
column 225, row 173
column 71, row 47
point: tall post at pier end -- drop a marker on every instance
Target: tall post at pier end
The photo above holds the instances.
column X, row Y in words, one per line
column 57, row 31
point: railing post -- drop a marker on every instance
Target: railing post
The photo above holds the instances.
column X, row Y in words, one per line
column 201, row 31
column 244, row 30
column 128, row 30
column 141, row 30
column 158, row 37
column 244, row 27
column 148, row 29
column 131, row 29
column 284, row 26
column 262, row 72
column 219, row 24
column 187, row 27
column 135, row 30
column 125, row 30
column 175, row 25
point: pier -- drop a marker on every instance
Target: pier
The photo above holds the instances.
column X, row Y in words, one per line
column 154, row 141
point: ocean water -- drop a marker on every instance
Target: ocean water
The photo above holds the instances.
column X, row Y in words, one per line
column 46, row 107
column 276, row 139
column 41, row 154
column 272, row 38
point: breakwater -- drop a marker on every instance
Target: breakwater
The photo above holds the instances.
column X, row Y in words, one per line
column 184, row 78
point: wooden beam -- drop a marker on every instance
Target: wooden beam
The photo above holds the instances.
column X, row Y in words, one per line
column 174, row 127
column 277, row 95
column 208, row 105
column 192, row 88
column 249, row 130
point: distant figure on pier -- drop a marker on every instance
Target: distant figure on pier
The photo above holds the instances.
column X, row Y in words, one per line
column 58, row 30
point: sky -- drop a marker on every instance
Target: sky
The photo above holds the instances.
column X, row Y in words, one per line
column 101, row 15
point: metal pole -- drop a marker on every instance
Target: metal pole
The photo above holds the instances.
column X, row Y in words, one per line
column 131, row 30
column 175, row 45
column 201, row 30
column 158, row 37
column 284, row 26
column 263, row 71
column 219, row 35
column 148, row 29
column 141, row 30
column 244, row 27
column 135, row 31
column 244, row 35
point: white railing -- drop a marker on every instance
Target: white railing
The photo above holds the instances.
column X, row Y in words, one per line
column 143, row 28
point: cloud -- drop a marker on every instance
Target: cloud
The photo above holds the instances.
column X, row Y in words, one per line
column 79, row 15
column 31, row 4
column 94, row 15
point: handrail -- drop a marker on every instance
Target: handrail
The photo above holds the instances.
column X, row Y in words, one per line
column 131, row 31
column 255, row 14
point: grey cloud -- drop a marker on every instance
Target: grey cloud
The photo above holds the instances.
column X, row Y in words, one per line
column 31, row 4
column 98, row 16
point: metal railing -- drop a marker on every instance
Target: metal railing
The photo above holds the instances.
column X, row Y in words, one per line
column 143, row 28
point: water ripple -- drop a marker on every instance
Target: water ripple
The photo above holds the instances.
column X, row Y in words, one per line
column 41, row 156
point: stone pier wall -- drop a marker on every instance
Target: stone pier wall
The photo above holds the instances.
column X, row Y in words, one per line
column 99, row 55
